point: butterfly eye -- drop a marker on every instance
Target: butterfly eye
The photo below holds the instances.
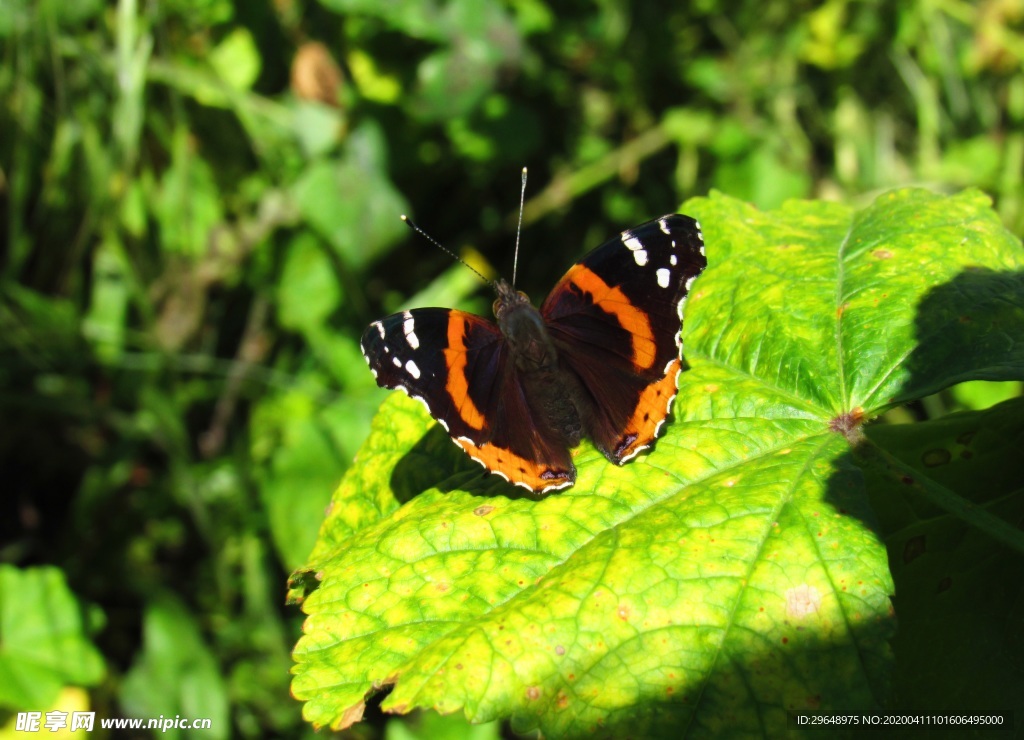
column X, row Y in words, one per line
column 495, row 305
column 523, row 296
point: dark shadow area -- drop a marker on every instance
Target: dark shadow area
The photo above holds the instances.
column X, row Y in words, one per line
column 971, row 328
column 430, row 463
column 437, row 462
column 959, row 595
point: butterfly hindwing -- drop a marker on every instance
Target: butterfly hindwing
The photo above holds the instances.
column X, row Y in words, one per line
column 616, row 319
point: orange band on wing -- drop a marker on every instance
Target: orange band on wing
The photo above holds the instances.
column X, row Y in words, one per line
column 458, row 383
column 537, row 477
column 651, row 411
column 615, row 302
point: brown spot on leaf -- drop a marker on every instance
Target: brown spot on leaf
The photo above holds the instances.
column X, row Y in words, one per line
column 483, row 510
column 848, row 424
column 882, row 254
column 533, row 693
column 352, row 715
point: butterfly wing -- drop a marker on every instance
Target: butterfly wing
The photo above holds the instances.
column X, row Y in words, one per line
column 616, row 320
column 457, row 364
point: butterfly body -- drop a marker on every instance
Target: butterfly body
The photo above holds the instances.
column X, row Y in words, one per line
column 599, row 358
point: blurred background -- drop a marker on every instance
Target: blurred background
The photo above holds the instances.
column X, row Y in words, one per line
column 199, row 206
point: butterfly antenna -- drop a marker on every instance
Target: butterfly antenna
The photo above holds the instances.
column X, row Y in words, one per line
column 436, row 243
column 519, row 228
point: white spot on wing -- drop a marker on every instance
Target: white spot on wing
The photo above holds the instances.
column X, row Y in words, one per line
column 413, row 369
column 664, row 226
column 689, row 282
column 380, row 328
column 636, row 247
column 409, row 326
column 672, row 260
column 398, row 363
column 663, row 277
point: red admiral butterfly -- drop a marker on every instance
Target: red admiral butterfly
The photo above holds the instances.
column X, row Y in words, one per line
column 601, row 358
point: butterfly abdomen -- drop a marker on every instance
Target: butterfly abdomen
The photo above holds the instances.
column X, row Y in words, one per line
column 550, row 391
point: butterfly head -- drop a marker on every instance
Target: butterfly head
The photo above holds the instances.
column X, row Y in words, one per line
column 523, row 328
column 508, row 299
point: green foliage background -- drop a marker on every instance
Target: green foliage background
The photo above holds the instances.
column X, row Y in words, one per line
column 200, row 203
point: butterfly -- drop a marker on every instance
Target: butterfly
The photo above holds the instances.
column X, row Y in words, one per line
column 599, row 359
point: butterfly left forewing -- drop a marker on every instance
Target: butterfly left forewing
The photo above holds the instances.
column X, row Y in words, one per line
column 457, row 365
column 411, row 351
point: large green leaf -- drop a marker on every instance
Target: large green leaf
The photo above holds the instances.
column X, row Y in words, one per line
column 730, row 575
